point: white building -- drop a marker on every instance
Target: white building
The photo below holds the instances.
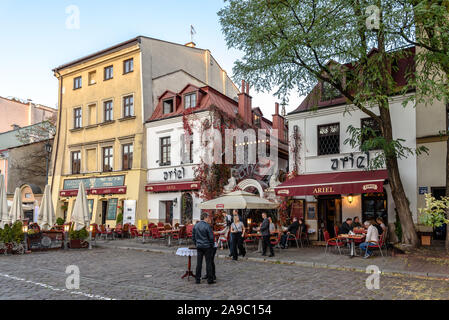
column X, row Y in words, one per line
column 333, row 184
column 173, row 195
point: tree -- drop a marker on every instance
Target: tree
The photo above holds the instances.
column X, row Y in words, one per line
column 425, row 24
column 292, row 44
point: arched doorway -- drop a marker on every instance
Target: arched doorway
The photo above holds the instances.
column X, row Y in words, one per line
column 186, row 208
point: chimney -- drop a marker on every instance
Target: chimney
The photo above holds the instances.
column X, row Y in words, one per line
column 278, row 123
column 245, row 101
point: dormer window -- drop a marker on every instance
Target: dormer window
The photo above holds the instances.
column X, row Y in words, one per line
column 168, row 106
column 190, row 100
column 257, row 120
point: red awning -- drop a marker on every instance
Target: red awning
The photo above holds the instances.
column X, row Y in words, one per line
column 172, row 186
column 333, row 183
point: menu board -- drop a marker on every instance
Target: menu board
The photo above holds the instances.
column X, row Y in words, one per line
column 89, row 183
column 47, row 240
column 112, row 209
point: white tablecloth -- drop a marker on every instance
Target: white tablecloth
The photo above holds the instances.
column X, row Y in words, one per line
column 186, row 252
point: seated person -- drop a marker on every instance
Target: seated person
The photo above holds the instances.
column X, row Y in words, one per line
column 292, row 229
column 346, row 226
column 380, row 225
column 356, row 223
column 372, row 237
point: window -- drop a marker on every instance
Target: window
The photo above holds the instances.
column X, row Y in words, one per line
column 76, row 162
column 190, row 101
column 108, row 111
column 257, row 120
column 328, row 92
column 92, row 77
column 108, row 159
column 77, row 83
column 329, row 139
column 128, row 106
column 128, row 66
column 127, row 156
column 165, row 149
column 108, row 73
column 77, row 118
column 168, row 106
column 374, row 132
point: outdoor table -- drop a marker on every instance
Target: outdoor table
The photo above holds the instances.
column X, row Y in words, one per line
column 352, row 239
column 259, row 237
column 169, row 234
column 189, row 252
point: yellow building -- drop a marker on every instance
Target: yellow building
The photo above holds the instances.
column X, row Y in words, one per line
column 105, row 99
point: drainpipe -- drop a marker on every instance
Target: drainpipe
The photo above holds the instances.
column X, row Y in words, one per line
column 58, row 129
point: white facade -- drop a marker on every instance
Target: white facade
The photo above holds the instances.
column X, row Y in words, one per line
column 404, row 127
column 173, row 128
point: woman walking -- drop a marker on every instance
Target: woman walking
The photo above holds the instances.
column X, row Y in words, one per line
column 237, row 235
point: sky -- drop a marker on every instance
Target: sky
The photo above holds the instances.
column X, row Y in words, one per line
column 34, row 39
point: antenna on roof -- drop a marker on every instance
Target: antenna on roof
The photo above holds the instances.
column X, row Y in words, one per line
column 191, row 44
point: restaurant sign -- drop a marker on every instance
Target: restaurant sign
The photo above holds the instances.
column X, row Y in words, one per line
column 92, row 183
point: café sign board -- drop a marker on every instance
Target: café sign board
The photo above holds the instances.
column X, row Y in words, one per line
column 91, row 183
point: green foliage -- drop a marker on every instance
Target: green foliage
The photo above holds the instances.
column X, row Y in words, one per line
column 434, row 214
column 82, row 234
column 119, row 218
column 398, row 228
column 60, row 221
column 12, row 234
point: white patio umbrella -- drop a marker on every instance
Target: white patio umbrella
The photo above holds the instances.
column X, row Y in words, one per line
column 16, row 212
column 47, row 217
column 80, row 214
column 238, row 200
column 4, row 215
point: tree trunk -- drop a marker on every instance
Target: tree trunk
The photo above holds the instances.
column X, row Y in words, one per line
column 409, row 235
column 447, row 190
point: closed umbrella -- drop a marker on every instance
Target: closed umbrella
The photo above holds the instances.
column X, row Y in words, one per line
column 4, row 216
column 16, row 212
column 80, row 214
column 46, row 218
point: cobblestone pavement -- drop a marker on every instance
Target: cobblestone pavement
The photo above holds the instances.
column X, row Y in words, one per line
column 128, row 274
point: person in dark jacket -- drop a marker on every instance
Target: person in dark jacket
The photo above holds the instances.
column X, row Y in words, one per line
column 203, row 238
column 292, row 229
column 356, row 223
column 265, row 231
column 346, row 226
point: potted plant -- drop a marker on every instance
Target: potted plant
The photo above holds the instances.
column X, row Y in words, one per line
column 60, row 221
column 77, row 237
column 432, row 216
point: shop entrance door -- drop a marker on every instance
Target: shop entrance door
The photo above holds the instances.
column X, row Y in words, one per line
column 104, row 211
column 329, row 213
column 168, row 212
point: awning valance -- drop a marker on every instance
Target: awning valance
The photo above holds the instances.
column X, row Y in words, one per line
column 172, row 186
column 333, row 183
column 94, row 191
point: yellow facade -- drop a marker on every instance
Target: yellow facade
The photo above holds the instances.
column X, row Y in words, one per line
column 95, row 133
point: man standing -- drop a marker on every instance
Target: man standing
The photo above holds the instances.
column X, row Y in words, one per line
column 203, row 238
column 265, row 231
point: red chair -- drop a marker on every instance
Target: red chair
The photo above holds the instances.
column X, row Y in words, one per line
column 189, row 231
column 105, row 233
column 336, row 230
column 181, row 234
column 377, row 245
column 275, row 240
column 134, row 233
column 334, row 242
column 248, row 240
column 295, row 237
column 160, row 224
column 155, row 234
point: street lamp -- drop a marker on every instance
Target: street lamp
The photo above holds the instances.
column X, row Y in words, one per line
column 66, row 231
column 48, row 149
column 25, row 234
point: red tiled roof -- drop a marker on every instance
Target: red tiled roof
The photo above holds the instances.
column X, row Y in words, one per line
column 207, row 97
column 313, row 99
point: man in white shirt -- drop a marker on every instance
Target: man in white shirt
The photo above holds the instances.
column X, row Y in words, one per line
column 372, row 237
